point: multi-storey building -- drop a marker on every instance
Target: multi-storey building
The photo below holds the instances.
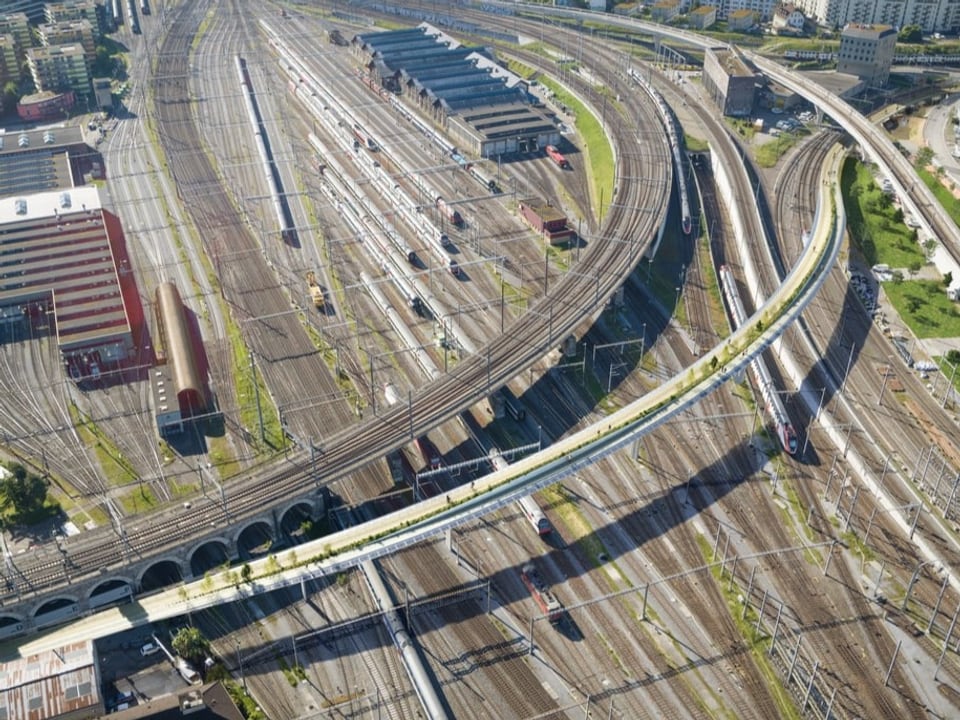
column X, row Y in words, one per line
column 59, row 67
column 69, row 32
column 867, row 52
column 32, row 8
column 9, row 66
column 741, row 20
column 69, row 10
column 702, row 17
column 762, row 8
column 665, row 11
column 930, row 15
column 17, row 25
column 729, row 81
column 948, row 17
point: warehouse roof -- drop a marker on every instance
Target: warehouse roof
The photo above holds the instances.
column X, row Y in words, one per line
column 39, row 159
column 55, row 248
column 50, row 684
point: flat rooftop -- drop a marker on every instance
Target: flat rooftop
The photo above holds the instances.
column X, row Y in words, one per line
column 866, row 32
column 732, row 63
column 38, row 159
column 55, row 248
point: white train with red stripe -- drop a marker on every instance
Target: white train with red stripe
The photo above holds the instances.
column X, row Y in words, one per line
column 761, row 376
column 675, row 136
column 528, row 506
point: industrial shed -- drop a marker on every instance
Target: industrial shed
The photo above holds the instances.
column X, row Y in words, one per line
column 58, row 261
column 40, row 160
column 549, row 221
column 189, row 396
column 503, row 129
column 484, row 106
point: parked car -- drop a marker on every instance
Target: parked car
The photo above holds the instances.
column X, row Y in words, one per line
column 149, row 649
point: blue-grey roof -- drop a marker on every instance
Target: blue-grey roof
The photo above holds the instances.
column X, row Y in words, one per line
column 399, row 58
column 431, row 70
column 389, row 36
column 438, row 84
column 420, row 43
column 476, row 100
column 432, row 63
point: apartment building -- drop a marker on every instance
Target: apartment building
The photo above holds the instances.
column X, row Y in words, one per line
column 59, row 67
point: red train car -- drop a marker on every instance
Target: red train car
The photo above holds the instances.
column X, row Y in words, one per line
column 557, row 157
column 548, row 604
column 449, row 212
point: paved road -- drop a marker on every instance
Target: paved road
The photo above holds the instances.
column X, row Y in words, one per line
column 938, row 131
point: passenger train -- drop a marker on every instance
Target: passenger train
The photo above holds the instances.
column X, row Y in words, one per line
column 528, row 506
column 761, row 376
column 675, row 135
column 484, row 178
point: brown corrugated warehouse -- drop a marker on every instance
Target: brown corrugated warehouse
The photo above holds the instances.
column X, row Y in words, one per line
column 174, row 330
column 60, row 683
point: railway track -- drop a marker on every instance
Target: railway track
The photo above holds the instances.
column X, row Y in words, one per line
column 794, row 197
column 469, row 657
column 603, row 267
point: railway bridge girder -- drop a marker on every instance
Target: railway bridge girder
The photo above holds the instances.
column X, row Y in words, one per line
column 82, row 591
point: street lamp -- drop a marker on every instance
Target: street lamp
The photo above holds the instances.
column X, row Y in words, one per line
column 243, row 678
column 913, row 581
column 946, row 391
column 888, row 371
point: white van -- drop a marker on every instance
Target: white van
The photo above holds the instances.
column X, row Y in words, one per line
column 187, row 672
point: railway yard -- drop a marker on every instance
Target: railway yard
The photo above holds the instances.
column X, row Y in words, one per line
column 706, row 571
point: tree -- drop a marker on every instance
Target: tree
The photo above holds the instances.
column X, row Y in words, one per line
column 947, row 279
column 897, row 277
column 910, row 34
column 914, row 267
column 929, row 247
column 190, row 644
column 11, row 94
column 953, row 357
column 217, row 672
column 103, row 65
column 24, row 493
